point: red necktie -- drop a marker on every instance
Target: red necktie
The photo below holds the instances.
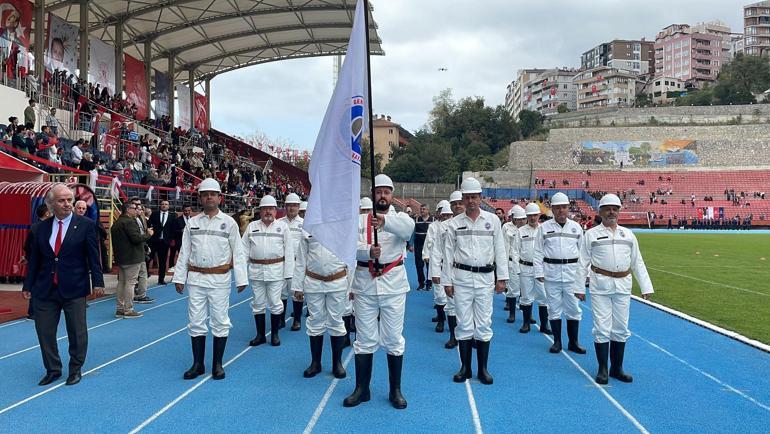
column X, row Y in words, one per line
column 57, row 246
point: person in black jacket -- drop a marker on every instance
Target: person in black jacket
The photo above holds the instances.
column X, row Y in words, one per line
column 163, row 225
column 42, row 213
column 179, row 225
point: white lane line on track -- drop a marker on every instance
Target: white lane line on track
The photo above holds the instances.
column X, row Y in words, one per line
column 187, row 392
column 709, row 281
column 101, row 300
column 103, row 365
column 471, row 401
column 93, row 327
column 704, row 373
column 325, row 400
column 604, row 392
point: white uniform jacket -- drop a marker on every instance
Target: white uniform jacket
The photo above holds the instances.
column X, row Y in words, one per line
column 511, row 236
column 616, row 251
column 527, row 235
column 476, row 244
column 432, row 241
column 295, row 227
column 269, row 242
column 313, row 257
column 211, row 242
column 392, row 238
column 556, row 242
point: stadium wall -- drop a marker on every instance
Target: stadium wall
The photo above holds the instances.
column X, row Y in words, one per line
column 688, row 115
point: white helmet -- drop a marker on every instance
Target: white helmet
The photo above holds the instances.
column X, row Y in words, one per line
column 455, row 196
column 446, row 209
column 518, row 212
column 559, row 199
column 470, row 186
column 441, row 204
column 383, row 180
column 303, row 206
column 365, row 203
column 209, row 184
column 292, row 198
column 267, row 200
column 532, row 208
column 610, row 199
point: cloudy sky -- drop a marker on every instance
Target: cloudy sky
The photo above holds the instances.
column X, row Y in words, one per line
column 482, row 43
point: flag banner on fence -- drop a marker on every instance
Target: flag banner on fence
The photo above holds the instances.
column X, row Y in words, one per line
column 335, row 167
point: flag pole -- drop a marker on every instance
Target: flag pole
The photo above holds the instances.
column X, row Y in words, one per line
column 371, row 121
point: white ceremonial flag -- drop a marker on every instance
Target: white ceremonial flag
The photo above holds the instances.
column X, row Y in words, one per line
column 335, row 167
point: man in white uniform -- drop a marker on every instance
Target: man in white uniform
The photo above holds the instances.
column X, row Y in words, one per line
column 474, row 250
column 531, row 289
column 322, row 280
column 379, row 289
column 609, row 254
column 270, row 249
column 302, row 208
column 511, row 233
column 211, row 247
column 557, row 251
column 294, row 222
column 457, row 207
column 432, row 241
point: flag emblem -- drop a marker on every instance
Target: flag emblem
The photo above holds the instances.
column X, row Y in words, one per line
column 356, row 127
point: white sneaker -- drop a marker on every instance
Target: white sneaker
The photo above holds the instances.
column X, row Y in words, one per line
column 170, row 270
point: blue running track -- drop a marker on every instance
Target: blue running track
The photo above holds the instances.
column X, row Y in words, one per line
column 686, row 379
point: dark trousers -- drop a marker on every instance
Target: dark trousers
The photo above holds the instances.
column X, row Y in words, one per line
column 173, row 251
column 419, row 263
column 161, row 248
column 47, row 314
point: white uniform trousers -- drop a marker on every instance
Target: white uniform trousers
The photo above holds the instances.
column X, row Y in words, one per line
column 326, row 311
column 348, row 306
column 474, row 313
column 388, row 333
column 211, row 302
column 439, row 295
column 561, row 298
column 610, row 313
column 449, row 309
column 531, row 290
column 266, row 294
column 286, row 291
column 512, row 286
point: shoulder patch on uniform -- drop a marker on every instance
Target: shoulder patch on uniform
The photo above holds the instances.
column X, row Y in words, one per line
column 622, row 234
column 488, row 226
column 223, row 226
column 278, row 229
column 574, row 230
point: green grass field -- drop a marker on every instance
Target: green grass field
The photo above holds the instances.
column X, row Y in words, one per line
column 720, row 278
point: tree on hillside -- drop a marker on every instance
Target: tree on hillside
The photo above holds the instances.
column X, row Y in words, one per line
column 530, row 123
column 740, row 79
column 460, row 135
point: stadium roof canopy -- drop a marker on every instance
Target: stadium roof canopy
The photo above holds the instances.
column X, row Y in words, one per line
column 217, row 36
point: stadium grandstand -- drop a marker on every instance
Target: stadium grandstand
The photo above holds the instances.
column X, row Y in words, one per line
column 115, row 131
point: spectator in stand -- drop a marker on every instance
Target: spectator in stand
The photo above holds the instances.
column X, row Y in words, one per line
column 87, row 164
column 77, row 152
column 29, row 114
column 52, row 121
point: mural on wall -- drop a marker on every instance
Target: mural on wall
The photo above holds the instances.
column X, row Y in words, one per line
column 640, row 153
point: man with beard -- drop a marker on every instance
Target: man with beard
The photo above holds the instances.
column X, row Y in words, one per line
column 557, row 252
column 211, row 248
column 611, row 253
column 270, row 249
column 379, row 291
column 294, row 222
column 474, row 268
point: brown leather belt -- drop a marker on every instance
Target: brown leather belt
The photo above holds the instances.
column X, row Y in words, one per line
column 331, row 278
column 219, row 269
column 267, row 261
column 615, row 274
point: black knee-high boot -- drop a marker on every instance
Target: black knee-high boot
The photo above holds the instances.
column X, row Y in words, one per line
column 617, row 352
column 527, row 314
column 199, row 351
column 363, row 377
column 275, row 321
column 259, row 320
column 441, row 318
column 543, row 312
column 395, row 363
column 452, row 342
column 316, row 349
column 511, row 303
column 217, row 370
column 282, row 323
column 573, row 327
column 466, row 356
column 602, row 350
column 337, row 345
column 556, row 328
column 297, row 314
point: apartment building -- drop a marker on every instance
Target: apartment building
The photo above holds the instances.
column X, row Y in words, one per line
column 756, row 28
column 694, row 55
column 605, row 87
column 637, row 56
column 514, row 96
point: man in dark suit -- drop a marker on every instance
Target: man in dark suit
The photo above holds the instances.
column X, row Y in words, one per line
column 179, row 225
column 162, row 222
column 63, row 265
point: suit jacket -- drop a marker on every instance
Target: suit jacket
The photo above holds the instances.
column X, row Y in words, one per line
column 78, row 262
column 179, row 225
column 167, row 230
column 127, row 241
